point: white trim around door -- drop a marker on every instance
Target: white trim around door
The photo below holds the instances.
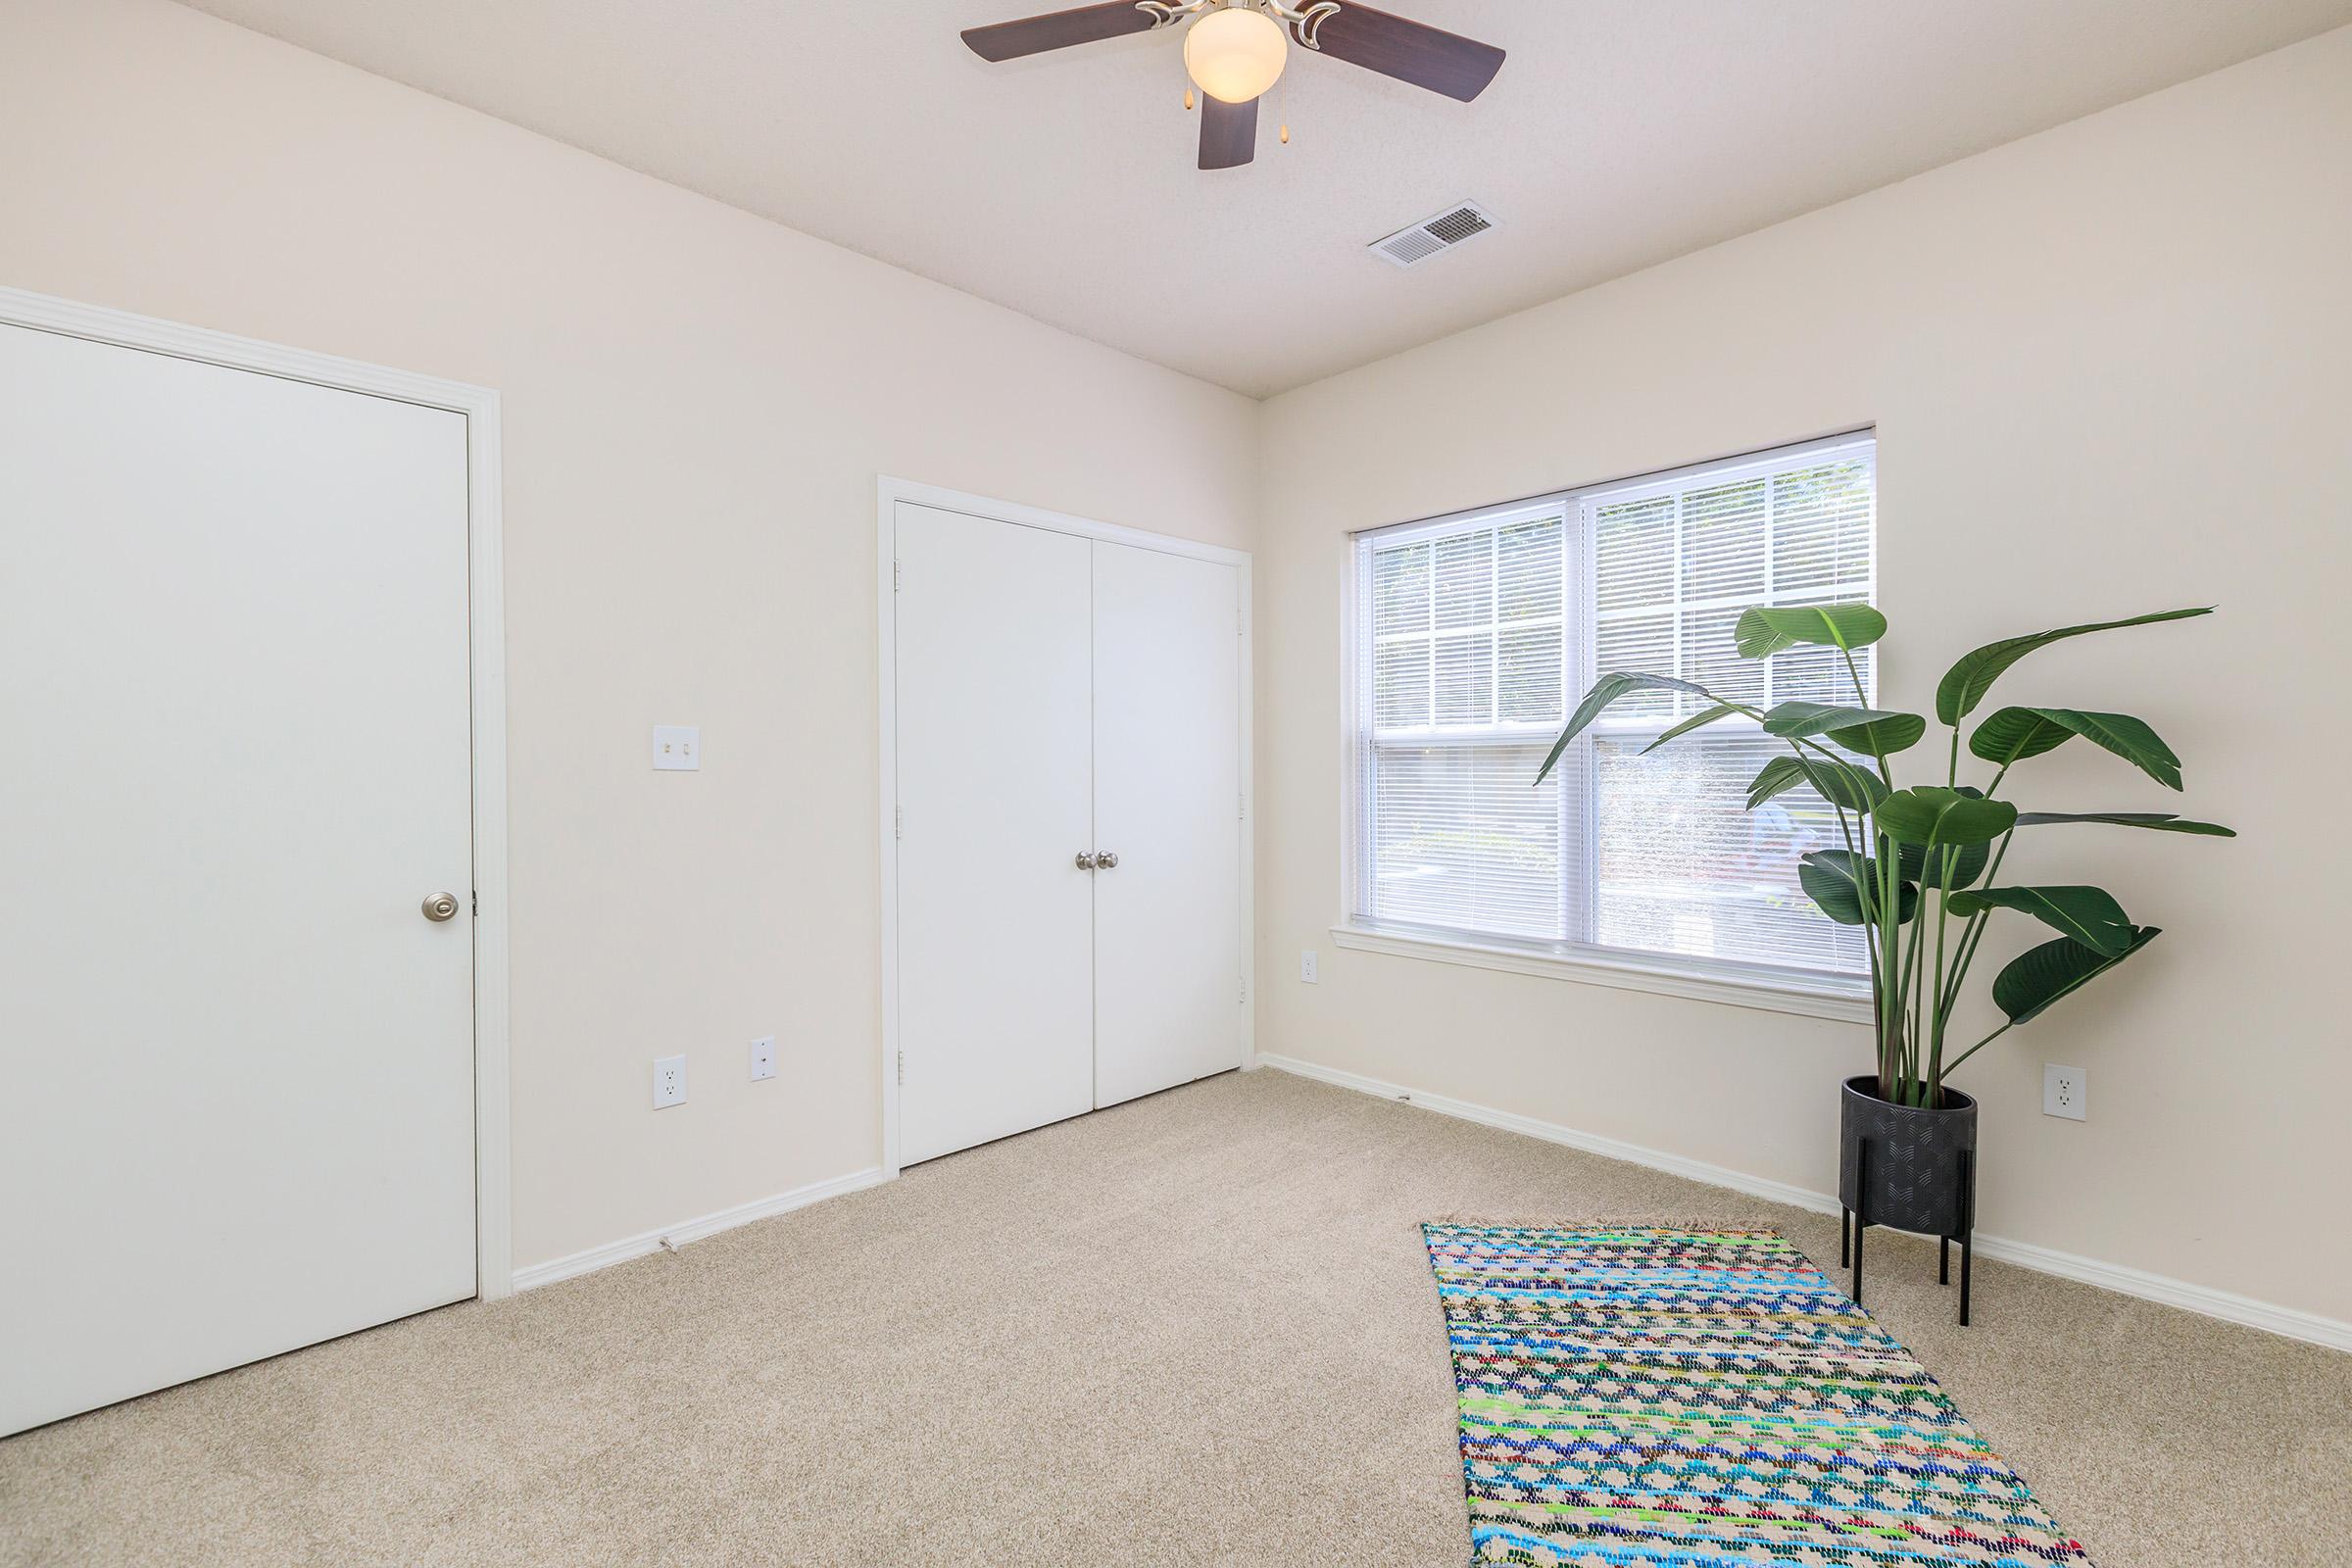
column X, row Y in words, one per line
column 493, row 1226
column 889, row 492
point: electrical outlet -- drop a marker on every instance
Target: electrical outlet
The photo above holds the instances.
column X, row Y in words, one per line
column 1308, row 962
column 678, row 748
column 669, row 1081
column 764, row 1057
column 2065, row 1092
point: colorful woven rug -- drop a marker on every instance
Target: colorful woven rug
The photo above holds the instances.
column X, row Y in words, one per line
column 1649, row 1397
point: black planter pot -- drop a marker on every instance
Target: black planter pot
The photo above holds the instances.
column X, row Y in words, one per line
column 1908, row 1168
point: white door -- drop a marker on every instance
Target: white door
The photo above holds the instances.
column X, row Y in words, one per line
column 233, row 633
column 994, row 787
column 1168, row 1005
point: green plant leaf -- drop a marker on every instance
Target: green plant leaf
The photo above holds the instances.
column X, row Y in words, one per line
column 2090, row 915
column 1916, row 863
column 1846, row 784
column 1882, row 737
column 2157, row 822
column 1765, row 630
column 1828, row 878
column 1850, row 727
column 1964, row 684
column 2126, row 737
column 2039, row 976
column 1936, row 817
column 1719, row 711
column 1778, row 776
column 1606, row 689
column 2013, row 734
column 1838, row 783
column 2016, row 733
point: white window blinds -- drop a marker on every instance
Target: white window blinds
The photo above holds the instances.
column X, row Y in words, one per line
column 1476, row 633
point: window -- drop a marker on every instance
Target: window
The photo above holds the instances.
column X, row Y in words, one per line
column 1476, row 633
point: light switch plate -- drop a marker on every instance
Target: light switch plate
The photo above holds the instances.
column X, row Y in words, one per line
column 2065, row 1092
column 677, row 747
column 669, row 1081
column 764, row 1057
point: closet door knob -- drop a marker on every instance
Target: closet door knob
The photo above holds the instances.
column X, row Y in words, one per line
column 1106, row 860
column 1086, row 861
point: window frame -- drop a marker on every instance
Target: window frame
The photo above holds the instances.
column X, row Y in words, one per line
column 1807, row 993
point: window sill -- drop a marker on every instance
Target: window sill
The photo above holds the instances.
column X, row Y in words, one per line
column 1626, row 974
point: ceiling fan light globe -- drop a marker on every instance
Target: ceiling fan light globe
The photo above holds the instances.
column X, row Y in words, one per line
column 1235, row 54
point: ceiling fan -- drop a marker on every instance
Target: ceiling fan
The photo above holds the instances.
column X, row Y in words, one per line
column 1235, row 49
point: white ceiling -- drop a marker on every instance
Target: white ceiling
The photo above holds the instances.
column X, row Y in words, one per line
column 1620, row 133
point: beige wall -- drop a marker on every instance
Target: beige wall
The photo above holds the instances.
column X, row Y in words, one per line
column 697, row 404
column 2111, row 370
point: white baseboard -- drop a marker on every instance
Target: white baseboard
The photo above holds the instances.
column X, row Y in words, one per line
column 694, row 1229
column 2288, row 1321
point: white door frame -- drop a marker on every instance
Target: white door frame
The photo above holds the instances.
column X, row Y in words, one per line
column 888, row 493
column 486, row 596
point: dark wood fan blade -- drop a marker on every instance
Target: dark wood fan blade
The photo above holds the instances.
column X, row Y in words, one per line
column 1228, row 132
column 1058, row 29
column 1410, row 51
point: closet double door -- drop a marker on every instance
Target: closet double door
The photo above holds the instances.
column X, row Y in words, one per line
column 1068, row 828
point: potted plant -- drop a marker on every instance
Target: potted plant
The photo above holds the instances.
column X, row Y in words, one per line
column 1920, row 874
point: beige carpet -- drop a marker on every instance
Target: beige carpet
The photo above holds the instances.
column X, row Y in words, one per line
column 1196, row 1329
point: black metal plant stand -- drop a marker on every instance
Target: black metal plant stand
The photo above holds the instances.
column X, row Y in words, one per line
column 1851, row 1224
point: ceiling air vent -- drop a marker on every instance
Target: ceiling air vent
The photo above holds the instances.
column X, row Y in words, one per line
column 1409, row 247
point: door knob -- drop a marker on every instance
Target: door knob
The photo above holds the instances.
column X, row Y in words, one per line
column 441, row 907
column 1086, row 861
column 1106, row 860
